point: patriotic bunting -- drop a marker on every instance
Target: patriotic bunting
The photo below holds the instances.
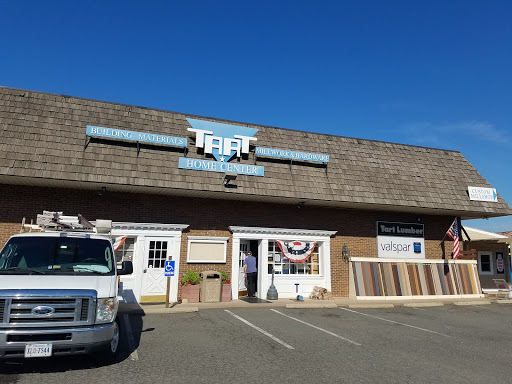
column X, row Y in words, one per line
column 453, row 233
column 296, row 251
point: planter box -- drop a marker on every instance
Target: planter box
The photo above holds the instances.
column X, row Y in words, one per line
column 226, row 292
column 190, row 292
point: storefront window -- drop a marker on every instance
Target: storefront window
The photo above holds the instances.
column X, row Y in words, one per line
column 485, row 263
column 125, row 251
column 283, row 266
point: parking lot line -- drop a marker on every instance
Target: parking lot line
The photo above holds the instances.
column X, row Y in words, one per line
column 314, row 326
column 395, row 322
column 260, row 330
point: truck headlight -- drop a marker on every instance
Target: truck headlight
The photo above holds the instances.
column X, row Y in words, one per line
column 106, row 310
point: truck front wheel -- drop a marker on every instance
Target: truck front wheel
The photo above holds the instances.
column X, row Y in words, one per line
column 110, row 351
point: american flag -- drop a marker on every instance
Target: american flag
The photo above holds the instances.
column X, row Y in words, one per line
column 453, row 233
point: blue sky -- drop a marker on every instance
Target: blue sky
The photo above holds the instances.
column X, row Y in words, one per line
column 430, row 73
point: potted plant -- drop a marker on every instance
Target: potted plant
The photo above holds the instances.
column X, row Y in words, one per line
column 226, row 287
column 190, row 287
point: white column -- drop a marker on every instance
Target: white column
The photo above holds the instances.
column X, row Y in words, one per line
column 235, row 255
column 138, row 266
column 263, row 281
column 175, row 280
column 327, row 263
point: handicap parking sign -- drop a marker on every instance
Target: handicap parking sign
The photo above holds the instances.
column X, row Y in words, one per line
column 169, row 268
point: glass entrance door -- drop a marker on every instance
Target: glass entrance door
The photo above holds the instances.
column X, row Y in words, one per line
column 244, row 248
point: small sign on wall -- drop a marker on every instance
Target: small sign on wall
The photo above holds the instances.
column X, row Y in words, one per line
column 500, row 263
column 482, row 194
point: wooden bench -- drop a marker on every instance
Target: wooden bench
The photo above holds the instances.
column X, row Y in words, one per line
column 468, row 255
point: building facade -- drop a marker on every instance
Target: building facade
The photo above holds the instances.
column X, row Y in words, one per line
column 492, row 252
column 318, row 210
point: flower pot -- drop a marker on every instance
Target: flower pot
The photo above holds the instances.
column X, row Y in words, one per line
column 226, row 292
column 190, row 292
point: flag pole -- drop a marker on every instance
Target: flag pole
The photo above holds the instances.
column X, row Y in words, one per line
column 464, row 229
column 459, row 235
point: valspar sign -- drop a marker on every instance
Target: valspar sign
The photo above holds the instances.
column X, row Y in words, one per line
column 400, row 240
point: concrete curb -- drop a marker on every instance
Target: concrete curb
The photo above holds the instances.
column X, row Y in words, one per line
column 179, row 308
column 171, row 310
column 483, row 302
column 311, row 305
column 369, row 305
column 418, row 305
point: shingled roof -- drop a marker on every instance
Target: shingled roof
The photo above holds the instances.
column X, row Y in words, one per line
column 43, row 135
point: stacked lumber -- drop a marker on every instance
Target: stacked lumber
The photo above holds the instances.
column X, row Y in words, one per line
column 320, row 293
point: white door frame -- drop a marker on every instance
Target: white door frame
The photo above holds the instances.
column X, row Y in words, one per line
column 240, row 269
column 264, row 235
column 157, row 275
column 140, row 231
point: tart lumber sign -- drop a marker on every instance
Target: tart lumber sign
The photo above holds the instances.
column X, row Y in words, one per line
column 400, row 240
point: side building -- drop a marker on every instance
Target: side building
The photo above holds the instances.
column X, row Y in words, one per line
column 358, row 217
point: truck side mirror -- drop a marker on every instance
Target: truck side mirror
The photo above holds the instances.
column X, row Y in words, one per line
column 126, row 268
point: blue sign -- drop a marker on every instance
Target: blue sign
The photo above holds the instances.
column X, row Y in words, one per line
column 223, row 141
column 169, row 268
column 219, row 166
column 143, row 137
column 292, row 155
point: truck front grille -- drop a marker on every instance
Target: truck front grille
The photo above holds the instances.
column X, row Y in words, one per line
column 84, row 310
column 46, row 311
column 2, row 309
column 39, row 337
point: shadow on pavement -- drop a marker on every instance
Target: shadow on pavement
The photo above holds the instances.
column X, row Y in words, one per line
column 131, row 324
column 253, row 300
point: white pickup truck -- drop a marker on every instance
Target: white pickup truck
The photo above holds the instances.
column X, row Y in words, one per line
column 58, row 295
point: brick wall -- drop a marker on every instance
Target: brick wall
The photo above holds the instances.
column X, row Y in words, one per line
column 207, row 217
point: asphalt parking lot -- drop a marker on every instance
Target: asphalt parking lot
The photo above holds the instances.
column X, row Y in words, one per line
column 449, row 344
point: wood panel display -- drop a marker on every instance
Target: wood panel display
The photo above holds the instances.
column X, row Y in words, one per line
column 423, row 278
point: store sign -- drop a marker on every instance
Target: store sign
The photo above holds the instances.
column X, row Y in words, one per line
column 482, row 194
column 219, row 166
column 143, row 137
column 400, row 240
column 292, row 155
column 223, row 142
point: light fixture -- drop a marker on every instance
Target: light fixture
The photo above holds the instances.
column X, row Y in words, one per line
column 229, row 176
column 345, row 253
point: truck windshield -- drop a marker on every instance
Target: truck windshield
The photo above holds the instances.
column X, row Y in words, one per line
column 57, row 255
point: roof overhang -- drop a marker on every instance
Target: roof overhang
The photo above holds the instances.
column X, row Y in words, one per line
column 476, row 234
column 102, row 188
column 281, row 231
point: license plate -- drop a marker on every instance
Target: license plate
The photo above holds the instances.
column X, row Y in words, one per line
column 38, row 350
